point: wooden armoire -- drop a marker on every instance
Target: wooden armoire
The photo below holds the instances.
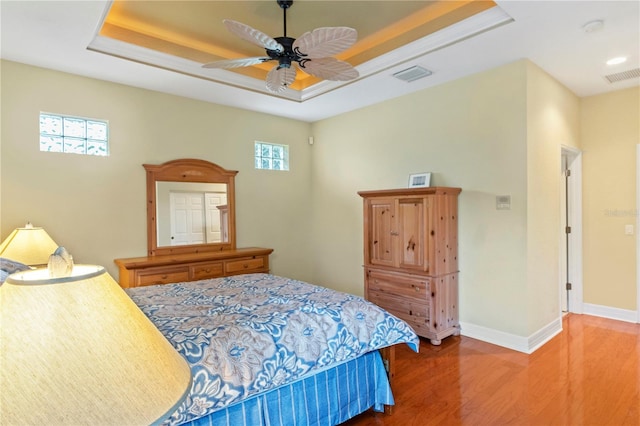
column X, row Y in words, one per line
column 411, row 257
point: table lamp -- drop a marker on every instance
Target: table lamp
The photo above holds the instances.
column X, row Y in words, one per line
column 77, row 350
column 29, row 245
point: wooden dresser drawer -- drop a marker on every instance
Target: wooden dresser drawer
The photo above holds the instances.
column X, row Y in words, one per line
column 202, row 271
column 179, row 267
column 413, row 287
column 247, row 265
column 152, row 276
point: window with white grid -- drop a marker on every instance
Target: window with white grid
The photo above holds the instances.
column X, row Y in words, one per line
column 271, row 156
column 75, row 135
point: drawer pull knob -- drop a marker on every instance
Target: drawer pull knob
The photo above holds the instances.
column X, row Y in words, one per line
column 245, row 266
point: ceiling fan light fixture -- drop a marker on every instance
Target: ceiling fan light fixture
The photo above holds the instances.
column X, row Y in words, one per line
column 412, row 74
column 313, row 51
column 593, row 26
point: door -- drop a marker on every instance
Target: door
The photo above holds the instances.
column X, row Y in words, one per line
column 212, row 216
column 570, row 261
column 565, row 279
column 187, row 218
column 638, row 231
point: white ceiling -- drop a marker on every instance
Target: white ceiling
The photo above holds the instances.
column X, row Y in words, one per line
column 56, row 34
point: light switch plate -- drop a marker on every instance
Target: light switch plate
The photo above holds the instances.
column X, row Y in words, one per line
column 628, row 230
column 503, row 202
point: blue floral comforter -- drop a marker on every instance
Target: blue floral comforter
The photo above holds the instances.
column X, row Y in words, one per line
column 247, row 334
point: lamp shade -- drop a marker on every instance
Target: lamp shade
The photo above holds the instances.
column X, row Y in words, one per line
column 29, row 245
column 77, row 350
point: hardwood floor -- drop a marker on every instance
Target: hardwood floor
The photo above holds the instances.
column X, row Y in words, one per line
column 587, row 375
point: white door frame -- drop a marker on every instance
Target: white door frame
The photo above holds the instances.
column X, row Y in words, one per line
column 575, row 300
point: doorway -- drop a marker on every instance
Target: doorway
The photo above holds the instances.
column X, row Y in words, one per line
column 571, row 231
column 638, row 231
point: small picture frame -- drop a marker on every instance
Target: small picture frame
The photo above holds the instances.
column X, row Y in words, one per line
column 419, row 180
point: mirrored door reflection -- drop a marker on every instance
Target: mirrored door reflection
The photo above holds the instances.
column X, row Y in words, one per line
column 190, row 213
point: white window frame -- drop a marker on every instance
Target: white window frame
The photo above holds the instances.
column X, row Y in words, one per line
column 74, row 143
column 268, row 162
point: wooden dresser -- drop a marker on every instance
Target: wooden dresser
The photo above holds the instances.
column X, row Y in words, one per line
column 411, row 257
column 184, row 242
column 165, row 269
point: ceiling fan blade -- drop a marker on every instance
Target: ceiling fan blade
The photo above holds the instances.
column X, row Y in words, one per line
column 330, row 69
column 279, row 78
column 237, row 63
column 326, row 41
column 252, row 35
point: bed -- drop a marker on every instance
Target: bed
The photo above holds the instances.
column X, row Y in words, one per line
column 267, row 350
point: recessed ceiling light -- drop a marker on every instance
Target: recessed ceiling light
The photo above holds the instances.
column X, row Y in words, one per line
column 616, row 61
column 593, row 26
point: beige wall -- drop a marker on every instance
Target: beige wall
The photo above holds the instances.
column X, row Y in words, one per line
column 610, row 126
column 95, row 206
column 1, row 232
column 553, row 120
column 494, row 133
column 470, row 133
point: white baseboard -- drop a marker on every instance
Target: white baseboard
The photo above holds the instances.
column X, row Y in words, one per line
column 529, row 344
column 546, row 333
column 511, row 341
column 611, row 313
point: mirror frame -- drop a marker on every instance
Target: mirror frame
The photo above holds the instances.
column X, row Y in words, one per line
column 188, row 170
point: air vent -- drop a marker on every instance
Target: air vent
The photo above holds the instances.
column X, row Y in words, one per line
column 624, row 75
column 412, row 74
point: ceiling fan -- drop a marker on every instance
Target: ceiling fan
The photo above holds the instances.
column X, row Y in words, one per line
column 312, row 51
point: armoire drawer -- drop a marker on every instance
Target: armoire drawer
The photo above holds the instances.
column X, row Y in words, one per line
column 203, row 271
column 399, row 285
column 419, row 324
column 247, row 265
column 153, row 276
column 407, row 307
column 414, row 313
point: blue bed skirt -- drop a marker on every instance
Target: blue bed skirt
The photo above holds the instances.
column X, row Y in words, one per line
column 327, row 398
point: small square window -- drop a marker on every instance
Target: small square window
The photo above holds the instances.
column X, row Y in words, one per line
column 270, row 156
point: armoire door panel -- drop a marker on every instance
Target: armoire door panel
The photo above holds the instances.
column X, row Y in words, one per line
column 381, row 240
column 411, row 218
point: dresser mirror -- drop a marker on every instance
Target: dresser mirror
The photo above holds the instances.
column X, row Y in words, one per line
column 190, row 207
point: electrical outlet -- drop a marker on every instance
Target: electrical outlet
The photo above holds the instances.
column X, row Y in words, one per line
column 628, row 230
